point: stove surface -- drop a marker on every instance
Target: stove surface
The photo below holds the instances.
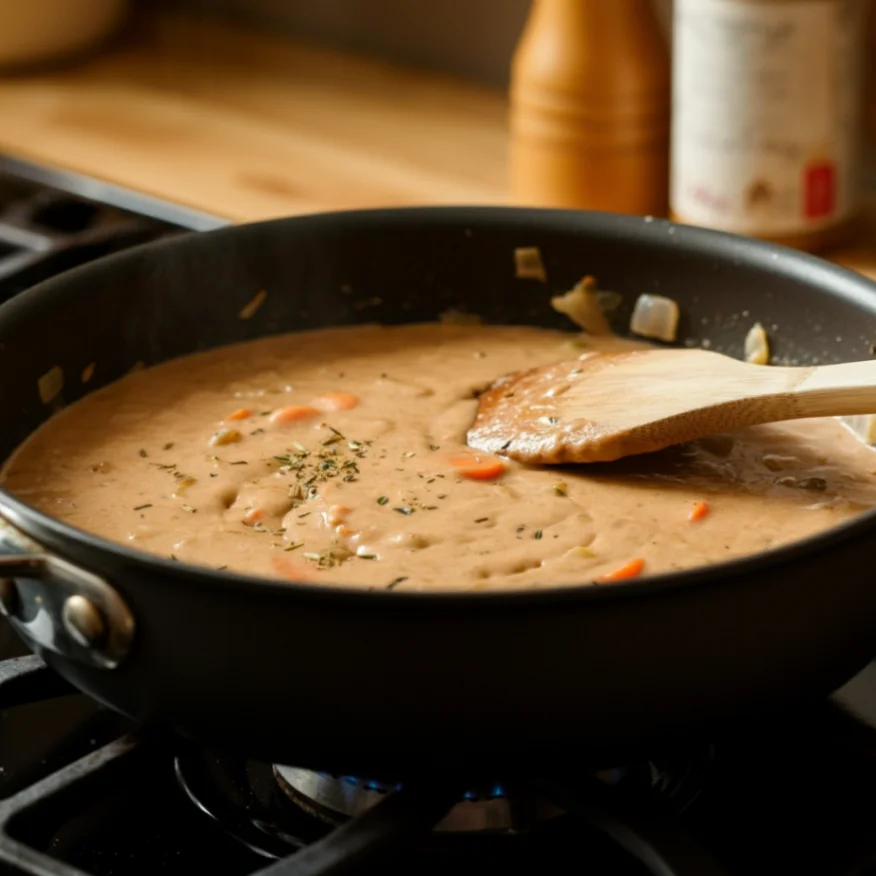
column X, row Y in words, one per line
column 84, row 792
column 52, row 220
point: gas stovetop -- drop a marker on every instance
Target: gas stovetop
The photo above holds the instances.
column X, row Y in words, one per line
column 85, row 792
column 51, row 221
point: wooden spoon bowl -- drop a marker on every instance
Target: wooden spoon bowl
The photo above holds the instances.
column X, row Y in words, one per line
column 604, row 406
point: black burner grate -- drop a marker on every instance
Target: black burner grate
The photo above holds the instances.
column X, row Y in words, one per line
column 51, row 221
column 29, row 819
column 788, row 795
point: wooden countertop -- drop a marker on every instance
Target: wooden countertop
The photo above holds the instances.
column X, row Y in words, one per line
column 248, row 126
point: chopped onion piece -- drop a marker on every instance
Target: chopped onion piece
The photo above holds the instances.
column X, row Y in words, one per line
column 862, row 426
column 50, row 384
column 609, row 301
column 528, row 264
column 582, row 306
column 757, row 347
column 655, row 317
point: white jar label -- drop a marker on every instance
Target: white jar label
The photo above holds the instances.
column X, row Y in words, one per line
column 765, row 114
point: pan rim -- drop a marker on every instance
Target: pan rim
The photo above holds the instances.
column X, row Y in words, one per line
column 730, row 248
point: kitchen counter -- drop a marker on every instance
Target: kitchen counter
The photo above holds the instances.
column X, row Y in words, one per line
column 249, row 126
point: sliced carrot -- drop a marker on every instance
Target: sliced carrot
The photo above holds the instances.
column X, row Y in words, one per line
column 478, row 466
column 337, row 401
column 294, row 414
column 631, row 570
column 239, row 414
column 253, row 516
column 698, row 512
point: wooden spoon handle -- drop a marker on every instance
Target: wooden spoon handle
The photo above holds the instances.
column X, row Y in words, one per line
column 834, row 390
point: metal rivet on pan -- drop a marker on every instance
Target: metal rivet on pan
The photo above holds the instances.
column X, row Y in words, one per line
column 83, row 621
column 9, row 600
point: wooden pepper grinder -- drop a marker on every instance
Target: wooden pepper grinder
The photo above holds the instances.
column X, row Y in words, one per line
column 870, row 55
column 590, row 107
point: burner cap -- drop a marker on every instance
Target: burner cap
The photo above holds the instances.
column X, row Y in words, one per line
column 497, row 809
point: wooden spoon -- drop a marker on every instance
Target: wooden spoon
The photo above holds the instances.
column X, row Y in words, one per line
column 603, row 406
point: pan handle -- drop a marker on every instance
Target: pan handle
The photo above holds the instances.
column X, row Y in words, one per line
column 57, row 606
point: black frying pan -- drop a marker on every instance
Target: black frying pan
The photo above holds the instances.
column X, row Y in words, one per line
column 366, row 681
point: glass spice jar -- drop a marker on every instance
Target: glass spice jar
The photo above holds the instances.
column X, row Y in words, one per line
column 766, row 117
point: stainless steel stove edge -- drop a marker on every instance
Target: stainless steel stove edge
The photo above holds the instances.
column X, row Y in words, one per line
column 104, row 192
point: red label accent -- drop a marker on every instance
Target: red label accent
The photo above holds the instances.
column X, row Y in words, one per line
column 819, row 190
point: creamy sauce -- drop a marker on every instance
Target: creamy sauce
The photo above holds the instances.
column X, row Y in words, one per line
column 338, row 457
